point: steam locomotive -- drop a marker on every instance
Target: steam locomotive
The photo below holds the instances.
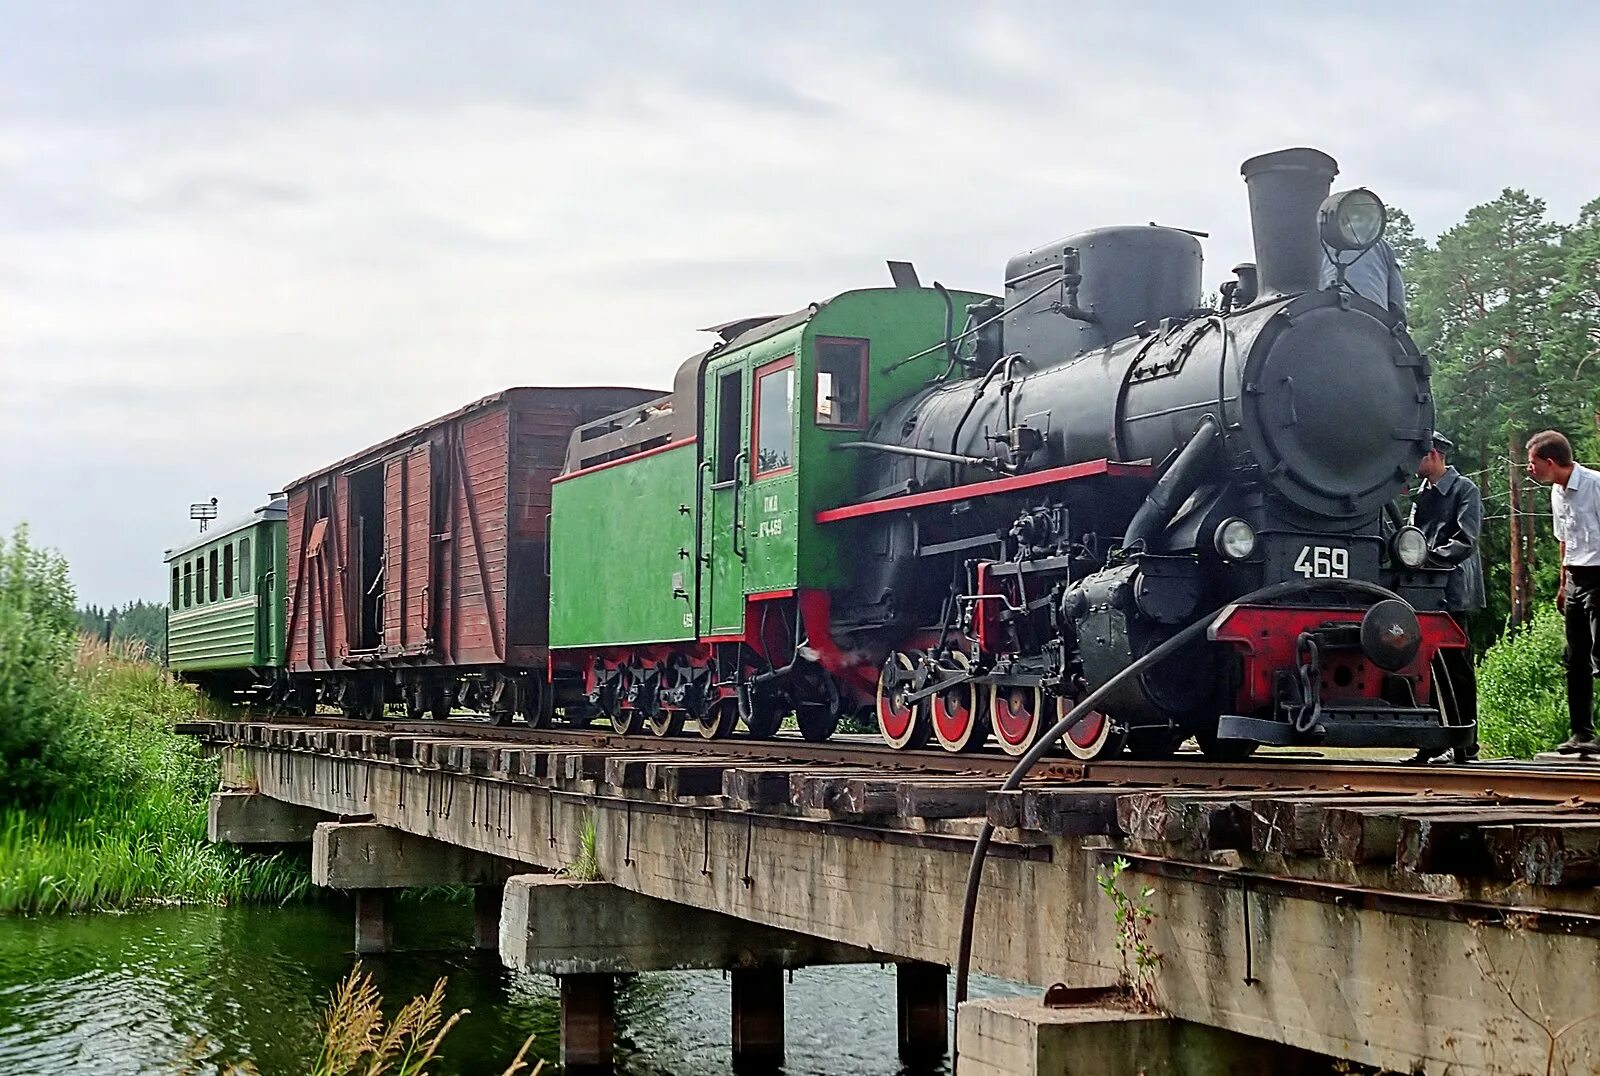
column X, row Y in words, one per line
column 950, row 514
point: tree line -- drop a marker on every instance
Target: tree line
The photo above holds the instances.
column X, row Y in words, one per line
column 1506, row 304
column 145, row 622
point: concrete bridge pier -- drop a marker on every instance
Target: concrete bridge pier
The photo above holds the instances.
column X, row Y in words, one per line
column 372, row 861
column 588, row 933
column 922, row 1000
column 757, row 1019
column 588, row 1012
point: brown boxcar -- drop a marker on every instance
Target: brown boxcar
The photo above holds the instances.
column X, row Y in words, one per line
column 417, row 567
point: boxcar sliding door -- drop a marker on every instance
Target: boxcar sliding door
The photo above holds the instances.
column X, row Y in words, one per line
column 408, row 550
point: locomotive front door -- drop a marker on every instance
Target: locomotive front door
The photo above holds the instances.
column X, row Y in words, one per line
column 724, row 478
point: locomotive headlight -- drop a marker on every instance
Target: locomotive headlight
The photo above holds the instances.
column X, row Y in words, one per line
column 1352, row 220
column 1410, row 547
column 1235, row 539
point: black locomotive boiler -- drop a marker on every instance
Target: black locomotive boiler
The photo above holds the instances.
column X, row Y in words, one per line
column 1113, row 462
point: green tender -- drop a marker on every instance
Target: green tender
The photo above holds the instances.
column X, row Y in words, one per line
column 615, row 532
column 237, row 631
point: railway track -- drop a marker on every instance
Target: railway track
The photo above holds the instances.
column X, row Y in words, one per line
column 1574, row 781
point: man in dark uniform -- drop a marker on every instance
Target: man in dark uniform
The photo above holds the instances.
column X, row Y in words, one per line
column 1448, row 509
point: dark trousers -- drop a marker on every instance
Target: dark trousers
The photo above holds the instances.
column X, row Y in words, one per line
column 1457, row 668
column 1583, row 646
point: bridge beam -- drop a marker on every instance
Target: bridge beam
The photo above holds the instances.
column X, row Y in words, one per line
column 239, row 817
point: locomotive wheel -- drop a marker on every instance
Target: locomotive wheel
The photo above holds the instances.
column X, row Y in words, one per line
column 1016, row 714
column 1095, row 737
column 957, row 717
column 663, row 723
column 903, row 727
column 817, row 722
column 1224, row 750
column 765, row 719
column 625, row 721
column 718, row 722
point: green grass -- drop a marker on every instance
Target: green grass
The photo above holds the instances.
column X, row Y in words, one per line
column 129, row 828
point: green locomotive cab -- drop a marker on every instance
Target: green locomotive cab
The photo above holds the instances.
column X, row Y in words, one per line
column 688, row 571
column 225, row 625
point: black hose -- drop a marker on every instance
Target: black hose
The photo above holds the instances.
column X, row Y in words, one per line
column 980, row 851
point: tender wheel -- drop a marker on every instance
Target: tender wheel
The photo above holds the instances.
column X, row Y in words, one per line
column 1016, row 714
column 957, row 717
column 625, row 720
column 720, row 718
column 663, row 723
column 902, row 727
column 817, row 722
column 1224, row 750
column 1094, row 738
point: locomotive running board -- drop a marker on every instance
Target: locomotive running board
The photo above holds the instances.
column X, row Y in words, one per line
column 1349, row 731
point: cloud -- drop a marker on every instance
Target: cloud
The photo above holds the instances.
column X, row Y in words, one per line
column 241, row 242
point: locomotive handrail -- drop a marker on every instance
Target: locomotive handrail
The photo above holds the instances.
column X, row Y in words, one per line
column 738, row 520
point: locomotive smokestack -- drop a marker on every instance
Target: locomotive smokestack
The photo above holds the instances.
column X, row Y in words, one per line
column 1286, row 188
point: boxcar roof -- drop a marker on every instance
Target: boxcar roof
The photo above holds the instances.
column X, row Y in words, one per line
column 277, row 509
column 383, row 447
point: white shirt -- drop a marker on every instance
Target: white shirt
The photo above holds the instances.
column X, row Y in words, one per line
column 1576, row 509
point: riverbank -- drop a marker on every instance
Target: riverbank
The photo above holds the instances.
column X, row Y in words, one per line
column 130, row 830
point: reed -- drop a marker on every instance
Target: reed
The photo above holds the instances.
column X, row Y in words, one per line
column 128, row 827
column 357, row 1039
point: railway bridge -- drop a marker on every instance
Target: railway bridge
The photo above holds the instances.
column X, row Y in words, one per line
column 1289, row 911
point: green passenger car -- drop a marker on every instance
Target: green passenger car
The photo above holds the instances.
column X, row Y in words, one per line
column 225, row 628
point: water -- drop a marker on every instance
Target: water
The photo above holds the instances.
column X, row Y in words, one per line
column 143, row 993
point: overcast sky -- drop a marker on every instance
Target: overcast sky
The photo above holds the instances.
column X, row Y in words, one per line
column 238, row 241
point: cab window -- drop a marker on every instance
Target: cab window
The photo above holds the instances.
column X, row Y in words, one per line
column 774, row 423
column 730, row 425
column 842, row 383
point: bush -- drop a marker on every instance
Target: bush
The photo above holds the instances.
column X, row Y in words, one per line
column 42, row 737
column 1522, row 689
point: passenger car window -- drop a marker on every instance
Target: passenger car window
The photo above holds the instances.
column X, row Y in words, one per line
column 176, row 589
column 774, row 425
column 213, row 590
column 244, row 565
column 188, row 577
column 227, row 571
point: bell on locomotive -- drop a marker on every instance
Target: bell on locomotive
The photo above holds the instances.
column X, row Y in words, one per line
column 1153, row 468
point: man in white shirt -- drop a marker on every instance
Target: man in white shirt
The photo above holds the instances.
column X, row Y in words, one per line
column 1575, row 505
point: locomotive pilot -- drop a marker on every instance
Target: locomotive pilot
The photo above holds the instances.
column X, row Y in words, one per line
column 1575, row 506
column 1448, row 509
